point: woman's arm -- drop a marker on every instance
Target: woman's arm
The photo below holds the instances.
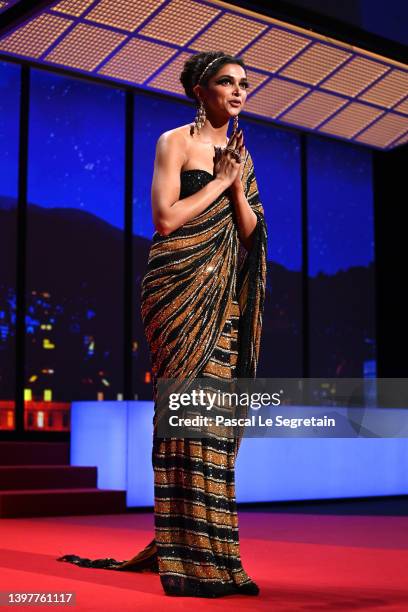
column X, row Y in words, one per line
column 170, row 213
column 246, row 218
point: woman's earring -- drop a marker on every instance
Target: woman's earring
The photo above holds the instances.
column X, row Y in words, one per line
column 235, row 124
column 200, row 117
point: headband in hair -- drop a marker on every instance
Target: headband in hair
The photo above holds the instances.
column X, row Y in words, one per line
column 208, row 65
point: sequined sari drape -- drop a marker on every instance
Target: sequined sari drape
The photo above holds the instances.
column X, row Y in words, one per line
column 189, row 286
column 202, row 305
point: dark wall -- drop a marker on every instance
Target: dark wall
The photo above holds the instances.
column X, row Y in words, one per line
column 390, row 204
column 388, row 19
column 345, row 10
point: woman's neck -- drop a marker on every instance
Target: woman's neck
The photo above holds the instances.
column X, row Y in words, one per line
column 214, row 135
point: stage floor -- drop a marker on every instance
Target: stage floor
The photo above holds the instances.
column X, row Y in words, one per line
column 301, row 561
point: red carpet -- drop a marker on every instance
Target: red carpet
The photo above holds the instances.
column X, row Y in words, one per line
column 300, row 561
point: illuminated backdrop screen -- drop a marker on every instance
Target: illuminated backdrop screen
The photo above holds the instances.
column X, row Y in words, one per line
column 75, row 241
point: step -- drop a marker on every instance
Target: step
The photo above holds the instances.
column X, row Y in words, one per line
column 13, row 477
column 34, row 453
column 61, row 502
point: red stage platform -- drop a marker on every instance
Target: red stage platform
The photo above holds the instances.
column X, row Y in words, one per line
column 301, row 561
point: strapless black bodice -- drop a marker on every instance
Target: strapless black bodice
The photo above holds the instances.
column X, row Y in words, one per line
column 192, row 181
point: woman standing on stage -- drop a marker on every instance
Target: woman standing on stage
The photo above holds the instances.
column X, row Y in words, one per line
column 202, row 304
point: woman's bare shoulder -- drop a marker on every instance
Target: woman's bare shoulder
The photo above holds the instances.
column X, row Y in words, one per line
column 176, row 138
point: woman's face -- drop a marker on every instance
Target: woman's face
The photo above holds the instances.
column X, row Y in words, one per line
column 226, row 91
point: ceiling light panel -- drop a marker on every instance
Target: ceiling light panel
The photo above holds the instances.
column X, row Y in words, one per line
column 402, row 107
column 85, row 47
column 390, row 90
column 255, row 79
column 179, row 21
column 168, row 79
column 315, row 63
column 358, row 74
column 124, row 14
column 385, row 130
column 35, row 37
column 137, row 61
column 275, row 97
column 297, row 76
column 230, row 33
column 73, row 7
column 274, row 49
column 351, row 119
column 402, row 140
column 313, row 109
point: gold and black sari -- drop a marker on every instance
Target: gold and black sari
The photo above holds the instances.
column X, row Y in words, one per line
column 202, row 306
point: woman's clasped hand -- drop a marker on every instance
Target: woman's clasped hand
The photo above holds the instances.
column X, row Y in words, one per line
column 228, row 164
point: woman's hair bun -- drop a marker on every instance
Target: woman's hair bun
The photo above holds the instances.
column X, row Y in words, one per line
column 195, row 65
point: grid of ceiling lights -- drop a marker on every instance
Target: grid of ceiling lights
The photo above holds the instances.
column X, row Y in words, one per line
column 297, row 77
